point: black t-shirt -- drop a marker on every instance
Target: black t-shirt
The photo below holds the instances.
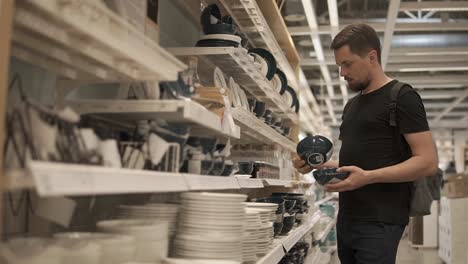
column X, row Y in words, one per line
column 368, row 142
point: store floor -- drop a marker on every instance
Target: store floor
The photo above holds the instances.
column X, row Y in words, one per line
column 409, row 255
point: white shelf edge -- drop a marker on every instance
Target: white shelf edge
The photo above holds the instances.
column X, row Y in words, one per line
column 172, row 110
column 201, row 182
column 273, row 256
column 250, row 183
column 324, row 200
column 302, row 230
column 277, row 182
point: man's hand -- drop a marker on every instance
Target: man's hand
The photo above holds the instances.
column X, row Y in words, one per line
column 356, row 179
column 301, row 165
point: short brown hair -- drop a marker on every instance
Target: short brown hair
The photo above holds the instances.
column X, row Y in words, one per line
column 360, row 38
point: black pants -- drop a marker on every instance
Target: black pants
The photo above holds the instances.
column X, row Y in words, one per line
column 367, row 242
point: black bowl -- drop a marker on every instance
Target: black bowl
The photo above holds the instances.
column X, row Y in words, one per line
column 284, row 81
column 246, row 167
column 286, row 131
column 293, row 95
column 289, row 205
column 216, row 43
column 218, row 168
column 260, row 108
column 315, row 150
column 277, row 227
column 269, row 58
column 228, row 169
column 288, row 224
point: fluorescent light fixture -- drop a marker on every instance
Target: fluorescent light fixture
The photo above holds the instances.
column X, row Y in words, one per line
column 437, row 53
column 333, row 14
column 433, row 69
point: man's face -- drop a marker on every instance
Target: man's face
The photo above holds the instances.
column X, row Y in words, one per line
column 353, row 68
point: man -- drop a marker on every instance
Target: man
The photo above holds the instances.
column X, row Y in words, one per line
column 374, row 199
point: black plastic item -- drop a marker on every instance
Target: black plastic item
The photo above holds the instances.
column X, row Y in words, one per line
column 260, row 108
column 296, row 106
column 207, row 14
column 283, row 79
column 270, row 59
column 246, row 167
column 293, row 95
column 216, row 43
column 228, row 29
column 288, row 223
column 315, row 150
column 325, row 176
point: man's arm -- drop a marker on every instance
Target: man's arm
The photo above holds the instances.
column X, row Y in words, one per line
column 423, row 162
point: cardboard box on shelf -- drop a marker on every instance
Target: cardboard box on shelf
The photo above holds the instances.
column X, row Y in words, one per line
column 456, row 186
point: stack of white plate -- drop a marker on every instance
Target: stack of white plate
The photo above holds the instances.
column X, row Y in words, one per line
column 30, row 251
column 151, row 236
column 198, row 261
column 210, row 226
column 270, row 208
column 115, row 249
column 251, row 236
column 265, row 231
column 160, row 211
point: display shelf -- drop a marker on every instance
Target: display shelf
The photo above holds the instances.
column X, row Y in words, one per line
column 201, row 182
column 322, row 235
column 236, row 63
column 85, row 40
column 250, row 183
column 317, row 258
column 285, row 243
column 178, row 111
column 277, row 182
column 252, row 23
column 258, row 131
column 57, row 179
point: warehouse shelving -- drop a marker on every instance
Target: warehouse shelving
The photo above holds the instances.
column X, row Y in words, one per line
column 82, row 40
column 236, row 63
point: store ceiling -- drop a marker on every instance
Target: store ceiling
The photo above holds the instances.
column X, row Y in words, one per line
column 424, row 43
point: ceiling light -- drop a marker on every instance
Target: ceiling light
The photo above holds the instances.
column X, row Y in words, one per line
column 433, row 69
column 294, row 18
column 306, row 43
column 437, row 53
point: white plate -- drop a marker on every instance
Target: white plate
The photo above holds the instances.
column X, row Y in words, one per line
column 206, row 196
column 218, row 78
column 233, row 86
column 223, row 37
column 197, row 261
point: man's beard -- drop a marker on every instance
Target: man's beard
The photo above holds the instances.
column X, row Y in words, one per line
column 358, row 86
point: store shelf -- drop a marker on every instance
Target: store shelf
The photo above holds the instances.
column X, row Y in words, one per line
column 284, row 244
column 250, row 183
column 236, row 63
column 252, row 23
column 178, row 111
column 57, row 179
column 317, row 258
column 85, row 40
column 277, row 182
column 322, row 235
column 258, row 131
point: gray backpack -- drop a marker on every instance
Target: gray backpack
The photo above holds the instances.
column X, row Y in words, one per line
column 423, row 190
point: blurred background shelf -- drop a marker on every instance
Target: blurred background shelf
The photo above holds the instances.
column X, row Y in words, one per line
column 85, row 40
column 251, row 22
column 236, row 63
column 177, row 111
column 258, row 131
column 323, row 235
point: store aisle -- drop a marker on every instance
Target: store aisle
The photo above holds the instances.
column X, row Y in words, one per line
column 409, row 255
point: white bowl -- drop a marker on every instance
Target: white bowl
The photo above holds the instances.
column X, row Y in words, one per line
column 141, row 229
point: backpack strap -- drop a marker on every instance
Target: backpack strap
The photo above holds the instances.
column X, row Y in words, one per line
column 393, row 103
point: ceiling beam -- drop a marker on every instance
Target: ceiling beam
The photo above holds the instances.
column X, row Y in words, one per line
column 446, row 6
column 455, row 103
column 419, row 80
column 424, row 95
column 380, row 27
column 312, row 22
column 398, row 59
column 389, row 28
